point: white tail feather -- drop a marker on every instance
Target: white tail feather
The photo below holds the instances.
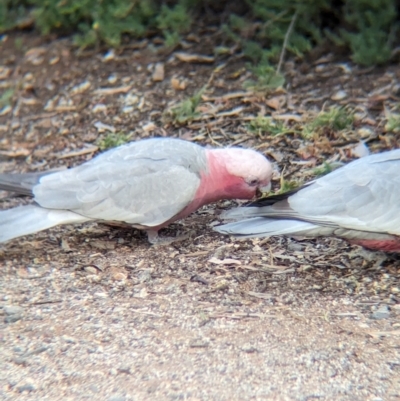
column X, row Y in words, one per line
column 264, row 227
column 24, row 220
column 243, row 213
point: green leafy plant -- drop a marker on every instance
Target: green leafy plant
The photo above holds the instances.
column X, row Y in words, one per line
column 267, row 78
column 280, row 23
column 113, row 140
column 186, row 110
column 336, row 118
column 265, row 31
column 12, row 13
column 5, row 97
column 286, row 186
column 393, row 123
column 268, row 125
column 175, row 20
column 375, row 27
column 326, row 168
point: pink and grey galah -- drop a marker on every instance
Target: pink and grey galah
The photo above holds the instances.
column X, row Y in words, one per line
column 359, row 202
column 146, row 184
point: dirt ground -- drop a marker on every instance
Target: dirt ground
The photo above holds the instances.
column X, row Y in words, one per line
column 94, row 312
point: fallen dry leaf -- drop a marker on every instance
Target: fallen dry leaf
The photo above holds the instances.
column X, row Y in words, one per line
column 159, row 72
column 177, row 84
column 82, row 152
column 112, row 91
column 5, row 72
column 194, row 58
column 224, row 261
column 275, row 102
column 260, row 295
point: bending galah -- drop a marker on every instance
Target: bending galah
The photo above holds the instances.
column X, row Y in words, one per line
column 146, row 184
column 359, row 202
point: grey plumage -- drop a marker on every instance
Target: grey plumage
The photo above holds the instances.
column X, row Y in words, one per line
column 30, row 219
column 22, row 184
column 121, row 184
column 357, row 201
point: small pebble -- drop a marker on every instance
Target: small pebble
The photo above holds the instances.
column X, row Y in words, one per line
column 382, row 313
column 145, row 275
column 116, row 398
column 97, row 108
column 127, row 109
column 110, row 55
column 339, row 95
column 12, row 318
column 20, row 361
column 12, row 310
column 124, row 369
column 94, row 388
column 248, row 348
column 112, row 79
column 26, row 387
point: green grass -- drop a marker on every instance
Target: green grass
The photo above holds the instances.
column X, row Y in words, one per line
column 326, row 168
column 264, row 32
column 267, row 125
column 185, row 111
column 113, row 140
column 5, row 97
column 336, row 119
column 393, row 123
column 267, row 79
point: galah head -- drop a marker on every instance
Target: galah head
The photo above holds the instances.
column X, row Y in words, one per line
column 248, row 172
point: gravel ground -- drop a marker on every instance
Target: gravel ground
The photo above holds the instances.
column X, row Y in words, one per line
column 95, row 312
column 68, row 338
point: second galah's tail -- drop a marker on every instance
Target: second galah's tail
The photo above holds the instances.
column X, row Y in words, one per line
column 30, row 219
column 264, row 227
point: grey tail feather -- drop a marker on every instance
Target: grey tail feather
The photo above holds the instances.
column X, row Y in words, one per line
column 24, row 220
column 22, row 184
column 238, row 213
column 264, row 227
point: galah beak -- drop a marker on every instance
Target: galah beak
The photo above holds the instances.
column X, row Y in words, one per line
column 263, row 190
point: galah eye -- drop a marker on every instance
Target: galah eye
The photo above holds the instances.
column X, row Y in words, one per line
column 252, row 183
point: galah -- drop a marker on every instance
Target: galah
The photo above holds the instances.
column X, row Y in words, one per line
column 359, row 202
column 146, row 184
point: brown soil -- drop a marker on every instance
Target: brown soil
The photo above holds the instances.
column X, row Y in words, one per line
column 100, row 314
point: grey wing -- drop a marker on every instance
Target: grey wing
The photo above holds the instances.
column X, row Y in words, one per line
column 364, row 195
column 137, row 191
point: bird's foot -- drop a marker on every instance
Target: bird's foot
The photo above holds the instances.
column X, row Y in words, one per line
column 155, row 239
column 374, row 258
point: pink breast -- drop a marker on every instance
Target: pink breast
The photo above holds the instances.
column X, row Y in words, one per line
column 380, row 245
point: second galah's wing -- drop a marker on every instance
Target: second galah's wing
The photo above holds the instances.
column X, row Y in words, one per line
column 144, row 183
column 363, row 195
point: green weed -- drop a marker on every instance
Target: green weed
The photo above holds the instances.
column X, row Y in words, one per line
column 369, row 28
column 267, row 79
column 326, row 168
column 374, row 30
column 336, row 118
column 286, row 186
column 113, row 140
column 5, row 97
column 393, row 123
column 267, row 125
column 174, row 21
column 186, row 110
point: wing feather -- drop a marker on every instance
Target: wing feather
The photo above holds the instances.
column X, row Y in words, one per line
column 136, row 184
